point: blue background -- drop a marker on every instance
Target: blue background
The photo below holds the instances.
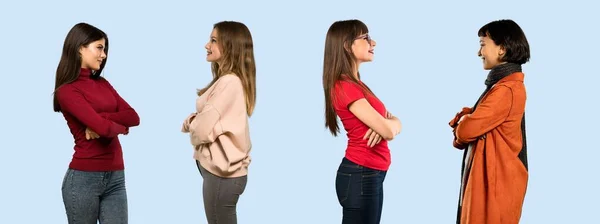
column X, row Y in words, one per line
column 425, row 70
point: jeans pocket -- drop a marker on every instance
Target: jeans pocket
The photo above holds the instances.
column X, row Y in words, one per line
column 370, row 173
column 371, row 182
column 241, row 182
column 342, row 186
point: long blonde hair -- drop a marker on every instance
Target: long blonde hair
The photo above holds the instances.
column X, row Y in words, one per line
column 237, row 57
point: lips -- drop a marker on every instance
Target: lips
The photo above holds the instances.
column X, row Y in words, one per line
column 371, row 51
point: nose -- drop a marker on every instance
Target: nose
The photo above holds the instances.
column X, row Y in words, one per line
column 479, row 53
column 103, row 55
column 373, row 43
column 206, row 46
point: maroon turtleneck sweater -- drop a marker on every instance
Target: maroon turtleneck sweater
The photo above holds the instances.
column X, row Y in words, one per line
column 94, row 103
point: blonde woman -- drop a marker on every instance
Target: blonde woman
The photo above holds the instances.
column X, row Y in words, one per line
column 219, row 129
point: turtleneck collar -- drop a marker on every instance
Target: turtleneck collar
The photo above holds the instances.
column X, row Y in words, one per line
column 85, row 73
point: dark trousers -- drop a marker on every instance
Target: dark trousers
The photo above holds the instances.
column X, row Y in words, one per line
column 221, row 196
column 360, row 193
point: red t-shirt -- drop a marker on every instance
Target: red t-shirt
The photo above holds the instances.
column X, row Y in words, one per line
column 378, row 157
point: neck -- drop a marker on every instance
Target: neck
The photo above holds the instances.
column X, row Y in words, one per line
column 355, row 71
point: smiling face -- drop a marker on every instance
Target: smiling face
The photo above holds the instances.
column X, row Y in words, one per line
column 93, row 54
column 213, row 53
column 363, row 48
column 490, row 53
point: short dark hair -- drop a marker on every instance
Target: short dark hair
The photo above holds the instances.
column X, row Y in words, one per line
column 510, row 36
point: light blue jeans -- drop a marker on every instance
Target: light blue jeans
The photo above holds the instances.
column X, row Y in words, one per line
column 95, row 196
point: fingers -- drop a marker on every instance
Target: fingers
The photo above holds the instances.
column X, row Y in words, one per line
column 373, row 139
column 368, row 134
column 89, row 134
column 94, row 134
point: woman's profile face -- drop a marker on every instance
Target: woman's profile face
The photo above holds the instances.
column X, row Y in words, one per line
column 93, row 54
column 489, row 52
column 363, row 48
column 213, row 53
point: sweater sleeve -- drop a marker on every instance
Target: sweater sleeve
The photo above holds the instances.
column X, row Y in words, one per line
column 206, row 125
column 490, row 113
column 73, row 102
column 125, row 114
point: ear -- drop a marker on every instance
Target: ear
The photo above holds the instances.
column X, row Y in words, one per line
column 348, row 48
column 501, row 51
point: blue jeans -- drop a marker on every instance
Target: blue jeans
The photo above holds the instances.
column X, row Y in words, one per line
column 360, row 193
column 95, row 196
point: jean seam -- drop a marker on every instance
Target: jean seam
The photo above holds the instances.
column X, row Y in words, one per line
column 215, row 216
column 73, row 210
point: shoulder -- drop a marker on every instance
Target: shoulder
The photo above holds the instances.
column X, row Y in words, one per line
column 67, row 88
column 226, row 84
column 501, row 92
column 229, row 81
column 67, row 92
column 513, row 89
column 345, row 85
column 230, row 78
column 103, row 80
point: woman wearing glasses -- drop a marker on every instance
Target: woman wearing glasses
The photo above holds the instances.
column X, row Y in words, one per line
column 360, row 176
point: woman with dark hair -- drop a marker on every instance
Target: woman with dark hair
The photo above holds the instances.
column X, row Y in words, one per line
column 492, row 133
column 369, row 126
column 93, row 188
column 219, row 130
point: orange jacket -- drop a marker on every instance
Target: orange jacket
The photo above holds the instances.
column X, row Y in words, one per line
column 497, row 179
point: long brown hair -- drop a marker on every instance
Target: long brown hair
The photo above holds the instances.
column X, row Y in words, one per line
column 237, row 56
column 80, row 35
column 339, row 63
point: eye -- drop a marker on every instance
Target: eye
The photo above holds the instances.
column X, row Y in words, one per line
column 213, row 40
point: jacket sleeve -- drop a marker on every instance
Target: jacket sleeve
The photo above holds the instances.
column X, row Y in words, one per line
column 490, row 113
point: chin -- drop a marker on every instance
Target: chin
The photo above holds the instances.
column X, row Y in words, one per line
column 487, row 67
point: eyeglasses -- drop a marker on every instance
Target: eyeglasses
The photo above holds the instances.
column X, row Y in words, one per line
column 366, row 37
